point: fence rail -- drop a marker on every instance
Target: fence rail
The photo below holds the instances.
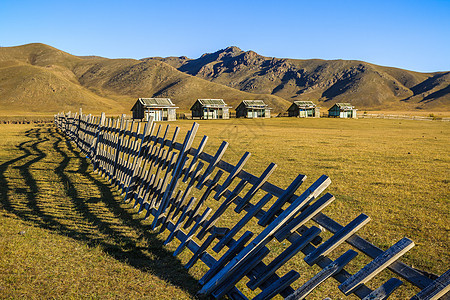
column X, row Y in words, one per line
column 159, row 175
column 402, row 117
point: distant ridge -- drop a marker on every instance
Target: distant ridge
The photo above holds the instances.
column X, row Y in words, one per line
column 40, row 78
column 365, row 85
column 37, row 78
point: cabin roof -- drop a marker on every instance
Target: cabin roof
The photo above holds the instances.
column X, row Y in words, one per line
column 152, row 102
column 254, row 103
column 344, row 106
column 304, row 104
column 212, row 102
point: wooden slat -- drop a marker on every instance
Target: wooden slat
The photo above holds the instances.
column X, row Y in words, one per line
column 337, row 239
column 333, row 268
column 376, row 266
column 305, row 216
column 222, row 208
column 210, row 187
column 194, row 177
column 439, row 288
column 408, row 273
column 250, row 214
column 195, row 158
column 385, row 290
column 287, row 194
column 180, row 220
column 255, row 187
column 215, row 160
column 216, row 233
column 232, row 175
column 260, row 241
column 286, row 255
column 191, row 233
column 220, row 291
column 176, row 173
column 237, row 246
column 279, row 285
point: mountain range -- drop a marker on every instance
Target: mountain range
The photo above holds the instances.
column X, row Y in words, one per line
column 37, row 78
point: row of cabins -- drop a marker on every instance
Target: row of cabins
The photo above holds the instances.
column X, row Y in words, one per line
column 162, row 109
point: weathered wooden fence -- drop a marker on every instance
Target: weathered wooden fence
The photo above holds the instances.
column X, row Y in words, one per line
column 159, row 174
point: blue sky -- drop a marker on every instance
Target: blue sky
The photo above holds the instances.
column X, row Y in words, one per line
column 414, row 35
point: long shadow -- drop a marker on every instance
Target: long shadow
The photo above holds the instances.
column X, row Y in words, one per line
column 154, row 258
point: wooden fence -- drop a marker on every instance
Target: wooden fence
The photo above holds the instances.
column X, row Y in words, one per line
column 158, row 175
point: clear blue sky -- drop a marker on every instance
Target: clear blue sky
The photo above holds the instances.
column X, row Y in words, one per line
column 414, row 35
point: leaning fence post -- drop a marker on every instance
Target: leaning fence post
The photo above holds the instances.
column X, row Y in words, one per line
column 97, row 136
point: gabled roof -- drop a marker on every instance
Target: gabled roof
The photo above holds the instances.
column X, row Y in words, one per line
column 345, row 106
column 149, row 102
column 254, row 103
column 305, row 104
column 212, row 102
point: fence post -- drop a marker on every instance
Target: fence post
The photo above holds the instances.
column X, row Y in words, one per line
column 95, row 142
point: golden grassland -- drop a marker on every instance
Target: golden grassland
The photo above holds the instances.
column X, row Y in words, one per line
column 66, row 233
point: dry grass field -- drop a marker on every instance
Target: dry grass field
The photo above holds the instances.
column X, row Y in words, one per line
column 66, row 233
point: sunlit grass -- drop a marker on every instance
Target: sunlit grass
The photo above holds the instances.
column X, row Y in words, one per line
column 67, row 234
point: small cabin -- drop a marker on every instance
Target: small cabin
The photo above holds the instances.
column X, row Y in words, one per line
column 304, row 109
column 253, row 109
column 161, row 109
column 342, row 110
column 210, row 109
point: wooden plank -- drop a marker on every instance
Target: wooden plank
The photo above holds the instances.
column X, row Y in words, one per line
column 255, row 187
column 176, row 172
column 149, row 185
column 165, row 217
column 276, row 207
column 238, row 246
column 337, row 239
column 250, row 214
column 384, row 291
column 232, row 175
column 278, row 286
column 217, row 232
column 195, row 158
column 222, row 208
column 194, row 177
column 305, row 216
column 220, row 152
column 210, row 187
column 260, row 241
column 221, row 290
column 286, row 255
column 95, row 144
column 191, row 233
column 118, row 149
column 437, row 289
column 156, row 190
column 333, row 268
column 137, row 160
column 408, row 273
column 180, row 220
column 376, row 266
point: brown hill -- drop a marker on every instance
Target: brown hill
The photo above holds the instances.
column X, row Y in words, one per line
column 39, row 78
column 366, row 85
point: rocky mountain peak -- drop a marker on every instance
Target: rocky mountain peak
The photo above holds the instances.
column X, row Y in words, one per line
column 233, row 49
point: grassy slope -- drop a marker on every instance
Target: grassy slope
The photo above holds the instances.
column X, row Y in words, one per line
column 39, row 78
column 134, row 78
column 76, row 227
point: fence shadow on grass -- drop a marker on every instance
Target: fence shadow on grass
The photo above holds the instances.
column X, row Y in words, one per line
column 26, row 203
